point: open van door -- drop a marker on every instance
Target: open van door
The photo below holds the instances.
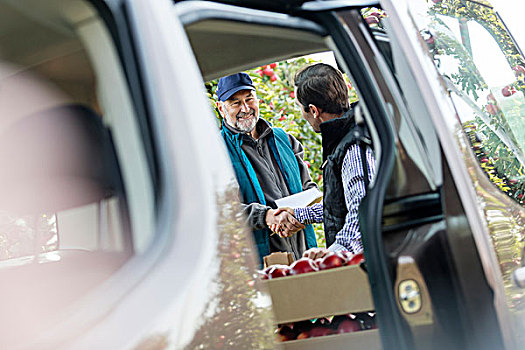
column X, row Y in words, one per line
column 431, row 265
column 435, row 257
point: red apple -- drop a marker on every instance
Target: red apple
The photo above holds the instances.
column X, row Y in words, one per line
column 285, row 333
column 282, row 337
column 273, row 65
column 345, row 255
column 268, row 71
column 264, row 273
column 492, row 109
column 331, row 261
column 320, row 331
column 372, row 20
column 518, row 69
column 507, row 91
column 303, row 265
column 302, row 326
column 348, row 326
column 356, row 259
column 303, row 335
column 279, row 271
column 273, row 77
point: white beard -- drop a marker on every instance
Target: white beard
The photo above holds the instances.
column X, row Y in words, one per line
column 244, row 125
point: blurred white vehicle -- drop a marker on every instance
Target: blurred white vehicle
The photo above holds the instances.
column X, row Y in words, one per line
column 119, row 212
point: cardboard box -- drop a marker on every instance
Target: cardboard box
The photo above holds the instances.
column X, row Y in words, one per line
column 323, row 293
column 278, row 258
column 369, row 340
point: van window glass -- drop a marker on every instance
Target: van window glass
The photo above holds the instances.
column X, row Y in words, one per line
column 483, row 69
column 485, row 74
column 76, row 197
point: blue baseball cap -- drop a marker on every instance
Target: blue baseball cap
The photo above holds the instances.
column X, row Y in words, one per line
column 231, row 84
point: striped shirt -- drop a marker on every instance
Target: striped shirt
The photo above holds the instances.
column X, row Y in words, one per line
column 349, row 237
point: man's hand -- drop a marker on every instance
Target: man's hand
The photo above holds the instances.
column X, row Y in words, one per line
column 282, row 222
column 316, row 253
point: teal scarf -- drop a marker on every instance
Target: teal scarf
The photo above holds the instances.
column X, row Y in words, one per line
column 251, row 190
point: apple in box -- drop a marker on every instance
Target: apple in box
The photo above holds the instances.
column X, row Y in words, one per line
column 315, row 331
column 331, row 261
column 303, row 265
column 356, row 259
column 278, row 271
column 348, row 326
column 275, row 271
column 320, row 331
column 285, row 333
column 345, row 255
column 264, row 273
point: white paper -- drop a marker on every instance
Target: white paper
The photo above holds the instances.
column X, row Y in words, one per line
column 301, row 199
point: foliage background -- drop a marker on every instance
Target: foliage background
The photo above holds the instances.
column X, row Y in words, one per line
column 274, row 84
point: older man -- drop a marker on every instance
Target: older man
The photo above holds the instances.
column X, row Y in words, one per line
column 268, row 164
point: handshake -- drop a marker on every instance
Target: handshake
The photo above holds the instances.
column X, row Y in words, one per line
column 283, row 222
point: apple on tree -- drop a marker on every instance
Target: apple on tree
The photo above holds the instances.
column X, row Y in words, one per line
column 508, row 91
column 492, row 109
column 372, row 20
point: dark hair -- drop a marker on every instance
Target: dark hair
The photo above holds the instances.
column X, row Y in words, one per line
column 322, row 86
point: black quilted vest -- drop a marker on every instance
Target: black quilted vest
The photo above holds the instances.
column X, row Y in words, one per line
column 338, row 135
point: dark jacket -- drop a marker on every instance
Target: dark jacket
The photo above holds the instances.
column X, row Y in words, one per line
column 338, row 135
column 273, row 184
